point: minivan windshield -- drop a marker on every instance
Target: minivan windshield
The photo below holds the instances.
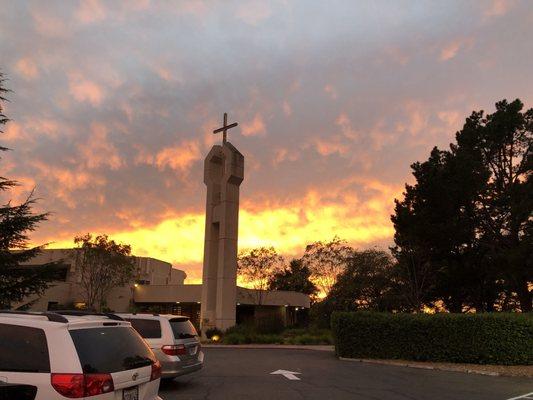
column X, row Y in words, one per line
column 182, row 328
column 108, row 350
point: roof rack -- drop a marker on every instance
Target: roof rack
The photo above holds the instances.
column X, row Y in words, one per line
column 52, row 316
column 80, row 313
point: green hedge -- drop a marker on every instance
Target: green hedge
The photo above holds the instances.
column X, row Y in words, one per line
column 497, row 338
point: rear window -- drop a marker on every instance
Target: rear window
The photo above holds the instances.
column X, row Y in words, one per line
column 147, row 328
column 182, row 328
column 108, row 350
column 23, row 349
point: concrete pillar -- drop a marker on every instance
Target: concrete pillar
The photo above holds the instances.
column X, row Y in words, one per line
column 223, row 174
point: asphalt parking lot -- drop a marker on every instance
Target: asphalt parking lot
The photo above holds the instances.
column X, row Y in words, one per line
column 235, row 374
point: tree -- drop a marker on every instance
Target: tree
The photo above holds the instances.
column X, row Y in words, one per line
column 463, row 230
column 326, row 260
column 257, row 266
column 294, row 277
column 103, row 265
column 435, row 232
column 503, row 143
column 367, row 283
column 16, row 222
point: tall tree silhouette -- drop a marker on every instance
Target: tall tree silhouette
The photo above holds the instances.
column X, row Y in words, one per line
column 16, row 222
column 463, row 230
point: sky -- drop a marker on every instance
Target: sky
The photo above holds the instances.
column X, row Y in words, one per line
column 114, row 103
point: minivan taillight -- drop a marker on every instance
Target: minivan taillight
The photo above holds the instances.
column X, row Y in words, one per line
column 75, row 386
column 156, row 371
column 174, row 350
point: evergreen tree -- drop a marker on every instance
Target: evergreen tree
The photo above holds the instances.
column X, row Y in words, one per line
column 463, row 230
column 16, row 222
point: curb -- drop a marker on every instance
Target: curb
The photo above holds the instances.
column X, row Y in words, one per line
column 430, row 367
column 271, row 347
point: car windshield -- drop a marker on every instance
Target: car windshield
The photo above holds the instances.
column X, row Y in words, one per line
column 182, row 328
column 107, row 350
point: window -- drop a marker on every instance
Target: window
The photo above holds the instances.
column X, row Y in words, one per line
column 108, row 350
column 23, row 349
column 182, row 328
column 147, row 328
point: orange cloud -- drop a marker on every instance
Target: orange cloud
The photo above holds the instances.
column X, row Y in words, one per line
column 179, row 157
column 284, row 154
column 85, row 90
column 65, row 181
column 451, row 118
column 12, row 132
column 451, row 49
column 498, row 8
column 346, row 126
column 327, row 147
column 355, row 209
column 97, row 151
column 27, row 68
column 254, row 127
column 90, row 11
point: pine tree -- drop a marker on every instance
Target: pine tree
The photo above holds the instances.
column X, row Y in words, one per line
column 16, row 222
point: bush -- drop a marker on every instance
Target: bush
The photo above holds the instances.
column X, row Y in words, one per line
column 248, row 338
column 466, row 338
column 270, row 324
column 212, row 332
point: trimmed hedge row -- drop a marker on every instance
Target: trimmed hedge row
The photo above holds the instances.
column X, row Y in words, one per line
column 495, row 338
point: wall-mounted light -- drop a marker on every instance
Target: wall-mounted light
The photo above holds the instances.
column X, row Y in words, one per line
column 238, row 304
column 177, row 302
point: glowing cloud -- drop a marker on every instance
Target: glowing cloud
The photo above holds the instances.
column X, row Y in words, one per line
column 27, row 68
column 179, row 157
column 85, row 90
column 254, row 127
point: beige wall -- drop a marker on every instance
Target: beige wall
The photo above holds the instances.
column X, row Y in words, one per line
column 166, row 286
column 148, row 269
column 192, row 294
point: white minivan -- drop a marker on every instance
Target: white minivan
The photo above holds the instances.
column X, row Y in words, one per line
column 77, row 356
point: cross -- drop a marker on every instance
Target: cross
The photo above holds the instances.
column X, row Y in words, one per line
column 225, row 128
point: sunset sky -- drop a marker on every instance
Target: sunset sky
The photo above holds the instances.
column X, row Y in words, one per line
column 114, row 104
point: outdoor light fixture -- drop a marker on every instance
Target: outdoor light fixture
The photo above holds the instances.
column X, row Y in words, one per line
column 177, row 302
column 136, row 284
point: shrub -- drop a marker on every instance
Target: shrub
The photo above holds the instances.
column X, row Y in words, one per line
column 467, row 338
column 269, row 324
column 234, row 338
column 212, row 332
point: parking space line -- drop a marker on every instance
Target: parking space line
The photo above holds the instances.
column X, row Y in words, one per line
column 524, row 396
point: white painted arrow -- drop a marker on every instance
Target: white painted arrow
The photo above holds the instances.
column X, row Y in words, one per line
column 290, row 375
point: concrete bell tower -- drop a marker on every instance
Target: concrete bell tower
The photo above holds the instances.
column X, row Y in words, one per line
column 223, row 174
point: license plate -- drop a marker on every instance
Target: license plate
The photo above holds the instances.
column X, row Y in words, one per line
column 131, row 393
